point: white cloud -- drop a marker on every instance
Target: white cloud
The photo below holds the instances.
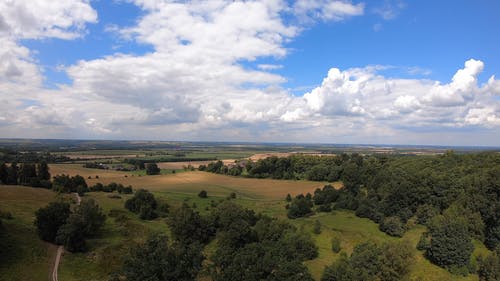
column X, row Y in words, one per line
column 194, row 86
column 308, row 10
column 267, row 67
column 361, row 95
column 390, row 9
column 483, row 116
column 35, row 19
column 460, row 90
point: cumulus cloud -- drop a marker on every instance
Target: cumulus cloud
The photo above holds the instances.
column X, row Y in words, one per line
column 20, row 75
column 193, row 85
column 362, row 95
column 35, row 19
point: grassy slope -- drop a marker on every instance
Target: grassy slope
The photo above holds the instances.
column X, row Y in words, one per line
column 24, row 256
column 264, row 196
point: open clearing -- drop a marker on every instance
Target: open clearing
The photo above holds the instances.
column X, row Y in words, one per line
column 193, row 182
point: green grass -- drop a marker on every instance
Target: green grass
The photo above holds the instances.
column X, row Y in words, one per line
column 106, row 252
column 23, row 256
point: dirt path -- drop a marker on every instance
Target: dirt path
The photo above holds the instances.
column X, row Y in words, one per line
column 60, row 249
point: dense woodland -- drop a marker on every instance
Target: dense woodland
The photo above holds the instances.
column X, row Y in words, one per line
column 457, row 196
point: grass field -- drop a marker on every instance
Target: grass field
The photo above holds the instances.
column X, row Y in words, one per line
column 29, row 259
column 107, row 252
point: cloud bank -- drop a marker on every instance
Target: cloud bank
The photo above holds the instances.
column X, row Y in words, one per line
column 194, row 86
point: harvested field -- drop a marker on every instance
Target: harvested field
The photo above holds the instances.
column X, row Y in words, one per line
column 196, row 164
column 259, row 156
column 193, row 182
column 99, row 156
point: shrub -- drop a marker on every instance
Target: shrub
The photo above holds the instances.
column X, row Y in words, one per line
column 203, row 194
column 336, row 245
column 392, row 226
column 152, row 169
column 489, row 268
column 317, row 227
column 143, row 203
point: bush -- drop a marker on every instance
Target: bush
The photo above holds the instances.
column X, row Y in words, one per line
column 489, row 268
column 143, row 203
column 152, row 169
column 317, row 227
column 425, row 213
column 203, row 194
column 392, row 226
column 336, row 245
column 299, row 207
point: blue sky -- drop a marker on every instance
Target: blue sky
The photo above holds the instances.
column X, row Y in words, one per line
column 402, row 72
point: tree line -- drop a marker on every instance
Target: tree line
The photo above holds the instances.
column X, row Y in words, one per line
column 28, row 174
column 11, row 156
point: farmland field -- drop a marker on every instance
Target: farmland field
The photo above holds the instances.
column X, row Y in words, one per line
column 193, row 181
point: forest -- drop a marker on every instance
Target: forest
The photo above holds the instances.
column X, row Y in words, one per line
column 457, row 196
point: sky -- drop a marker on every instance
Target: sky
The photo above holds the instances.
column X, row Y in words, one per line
column 313, row 71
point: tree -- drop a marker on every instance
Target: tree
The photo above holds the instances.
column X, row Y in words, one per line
column 157, row 259
column 203, row 194
column 72, row 234
column 288, row 198
column 43, row 171
column 299, row 207
column 489, row 268
column 27, row 174
column 450, row 242
column 341, row 270
column 85, row 222
column 143, row 203
column 92, row 216
column 12, row 174
column 4, row 174
column 49, row 219
column 66, row 184
column 369, row 261
column 425, row 213
column 152, row 169
column 253, row 247
column 392, row 226
column 188, row 226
